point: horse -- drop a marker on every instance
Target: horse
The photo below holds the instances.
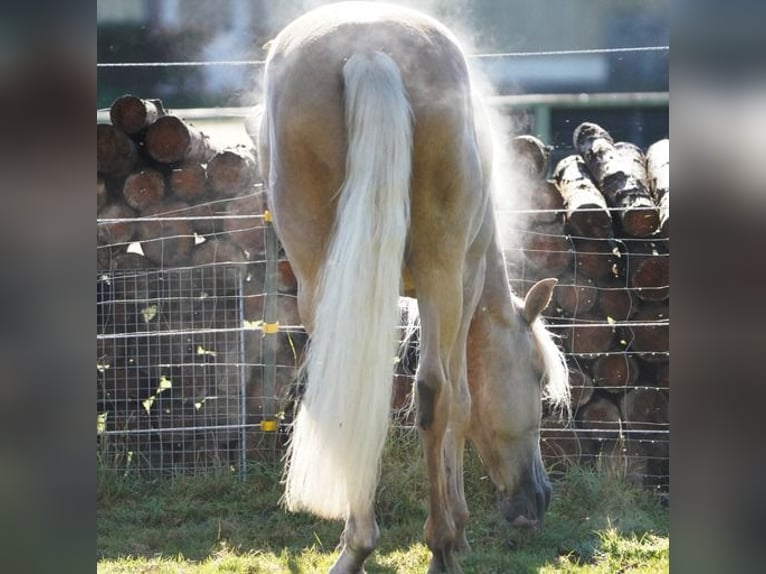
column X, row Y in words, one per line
column 378, row 156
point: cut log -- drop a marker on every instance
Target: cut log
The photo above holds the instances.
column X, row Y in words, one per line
column 132, row 114
column 287, row 309
column 530, row 157
column 591, row 335
column 205, row 222
column 620, row 172
column 116, row 153
column 649, row 270
column 171, row 140
column 547, row 202
column 653, row 341
column 586, row 210
column 597, row 259
column 600, row 414
column 102, row 195
column 615, row 373
column 581, row 388
column 663, row 376
column 188, row 181
column 658, row 171
column 118, row 232
column 645, row 408
column 224, row 262
column 129, row 261
column 166, row 242
column 615, row 299
column 144, row 189
column 247, row 232
column 576, row 296
column 232, row 172
column 547, row 249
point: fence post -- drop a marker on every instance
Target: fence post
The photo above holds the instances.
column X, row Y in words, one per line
column 269, row 424
column 242, row 377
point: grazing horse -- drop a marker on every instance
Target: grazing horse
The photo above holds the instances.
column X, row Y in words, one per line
column 378, row 160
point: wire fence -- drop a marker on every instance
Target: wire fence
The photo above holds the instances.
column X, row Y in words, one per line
column 198, row 361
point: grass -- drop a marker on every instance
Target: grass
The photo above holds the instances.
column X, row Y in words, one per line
column 218, row 523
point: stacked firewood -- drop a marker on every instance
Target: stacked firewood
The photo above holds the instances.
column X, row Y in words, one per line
column 182, row 242
column 600, row 225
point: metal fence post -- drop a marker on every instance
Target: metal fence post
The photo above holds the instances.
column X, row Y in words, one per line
column 269, row 424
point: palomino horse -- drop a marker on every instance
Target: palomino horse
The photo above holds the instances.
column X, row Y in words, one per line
column 378, row 161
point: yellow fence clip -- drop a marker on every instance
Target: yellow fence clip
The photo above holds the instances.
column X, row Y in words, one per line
column 267, row 216
column 270, row 328
column 269, row 426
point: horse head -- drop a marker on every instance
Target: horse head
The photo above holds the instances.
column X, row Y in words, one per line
column 513, row 366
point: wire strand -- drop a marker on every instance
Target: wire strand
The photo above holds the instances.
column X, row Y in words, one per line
column 208, row 63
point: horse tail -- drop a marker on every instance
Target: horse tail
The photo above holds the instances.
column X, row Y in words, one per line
column 341, row 425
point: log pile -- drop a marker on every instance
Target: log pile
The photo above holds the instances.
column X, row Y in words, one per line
column 608, row 246
column 181, row 244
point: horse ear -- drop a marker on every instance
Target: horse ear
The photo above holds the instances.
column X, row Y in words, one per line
column 538, row 298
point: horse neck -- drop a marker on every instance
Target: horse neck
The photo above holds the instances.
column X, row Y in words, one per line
column 497, row 300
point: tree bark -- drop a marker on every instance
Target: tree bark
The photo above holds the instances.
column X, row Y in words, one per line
column 171, row 140
column 132, row 114
column 116, row 153
column 586, row 210
column 620, row 172
column 658, row 170
column 144, row 189
column 232, row 172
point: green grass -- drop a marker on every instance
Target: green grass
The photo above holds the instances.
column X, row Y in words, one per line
column 219, row 523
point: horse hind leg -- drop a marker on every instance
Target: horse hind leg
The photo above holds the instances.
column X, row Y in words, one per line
column 359, row 539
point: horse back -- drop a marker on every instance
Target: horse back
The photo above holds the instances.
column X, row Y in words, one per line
column 305, row 97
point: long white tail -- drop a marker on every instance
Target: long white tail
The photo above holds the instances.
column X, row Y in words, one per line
column 341, row 426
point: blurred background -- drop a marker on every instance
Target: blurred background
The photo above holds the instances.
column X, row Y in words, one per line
column 516, row 44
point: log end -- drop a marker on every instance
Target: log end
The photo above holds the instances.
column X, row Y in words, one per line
column 168, row 139
column 530, row 156
column 586, row 133
column 129, row 113
column 642, row 220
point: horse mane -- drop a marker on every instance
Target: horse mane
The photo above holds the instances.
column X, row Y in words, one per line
column 556, row 388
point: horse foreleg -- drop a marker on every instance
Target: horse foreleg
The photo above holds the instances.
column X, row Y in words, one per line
column 359, row 539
